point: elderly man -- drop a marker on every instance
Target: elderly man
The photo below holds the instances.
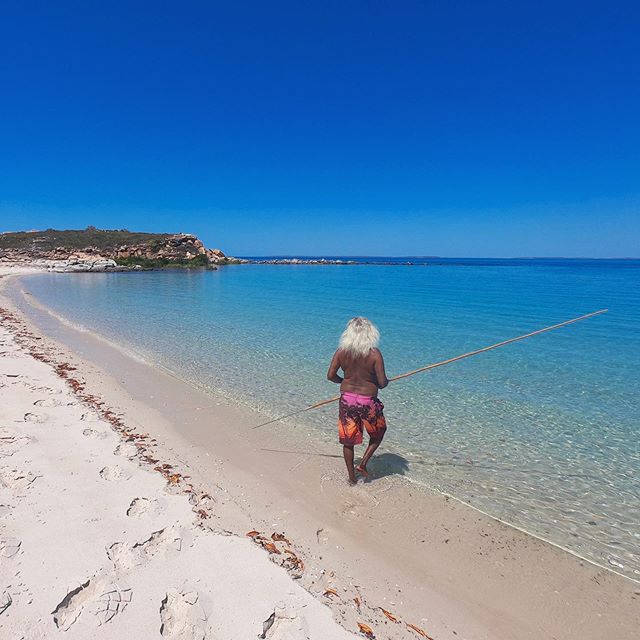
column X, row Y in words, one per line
column 360, row 408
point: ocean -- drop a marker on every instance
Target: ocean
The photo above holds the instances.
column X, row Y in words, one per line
column 543, row 433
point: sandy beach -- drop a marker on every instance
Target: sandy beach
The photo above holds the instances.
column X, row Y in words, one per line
column 126, row 497
column 94, row 545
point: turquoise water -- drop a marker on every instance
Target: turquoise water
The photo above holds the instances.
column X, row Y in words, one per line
column 543, row 433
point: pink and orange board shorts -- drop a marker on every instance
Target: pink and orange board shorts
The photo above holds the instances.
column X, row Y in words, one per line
column 357, row 413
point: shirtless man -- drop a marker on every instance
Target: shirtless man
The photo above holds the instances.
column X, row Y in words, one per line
column 360, row 408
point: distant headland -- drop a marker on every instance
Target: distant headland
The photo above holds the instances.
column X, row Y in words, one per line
column 93, row 249
column 100, row 250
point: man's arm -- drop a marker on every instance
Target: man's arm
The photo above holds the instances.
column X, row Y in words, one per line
column 332, row 374
column 381, row 375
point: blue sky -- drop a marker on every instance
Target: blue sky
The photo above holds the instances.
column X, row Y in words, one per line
column 382, row 128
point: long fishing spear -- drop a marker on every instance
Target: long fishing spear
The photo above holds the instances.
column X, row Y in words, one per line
column 443, row 362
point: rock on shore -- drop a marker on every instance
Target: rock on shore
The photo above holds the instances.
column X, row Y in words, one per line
column 80, row 265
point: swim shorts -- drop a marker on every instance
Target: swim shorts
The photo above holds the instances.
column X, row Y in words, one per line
column 357, row 413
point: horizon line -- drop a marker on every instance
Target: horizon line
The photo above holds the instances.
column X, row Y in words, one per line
column 428, row 257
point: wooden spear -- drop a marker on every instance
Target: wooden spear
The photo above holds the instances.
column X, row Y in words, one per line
column 443, row 362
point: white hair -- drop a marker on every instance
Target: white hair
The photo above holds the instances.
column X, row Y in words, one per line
column 359, row 337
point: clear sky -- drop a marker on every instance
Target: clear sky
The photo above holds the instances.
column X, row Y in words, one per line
column 382, row 128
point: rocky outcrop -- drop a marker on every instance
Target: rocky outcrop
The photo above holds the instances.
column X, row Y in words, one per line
column 182, row 246
column 105, row 250
column 78, row 265
column 61, row 261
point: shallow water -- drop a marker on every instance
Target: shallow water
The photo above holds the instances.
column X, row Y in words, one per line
column 542, row 433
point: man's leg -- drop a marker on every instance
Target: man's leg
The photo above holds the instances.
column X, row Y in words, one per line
column 347, row 449
column 374, row 443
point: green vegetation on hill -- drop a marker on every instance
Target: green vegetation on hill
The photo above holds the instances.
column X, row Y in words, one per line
column 164, row 263
column 105, row 240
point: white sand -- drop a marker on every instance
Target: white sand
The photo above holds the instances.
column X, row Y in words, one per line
column 92, row 545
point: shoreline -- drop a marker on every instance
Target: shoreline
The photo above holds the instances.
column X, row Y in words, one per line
column 474, row 578
column 95, row 545
column 254, row 414
column 321, row 433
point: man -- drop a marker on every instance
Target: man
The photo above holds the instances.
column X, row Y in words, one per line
column 360, row 408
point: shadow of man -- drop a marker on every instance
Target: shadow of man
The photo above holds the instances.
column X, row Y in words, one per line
column 388, row 464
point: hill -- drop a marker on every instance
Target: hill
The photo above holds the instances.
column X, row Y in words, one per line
column 126, row 248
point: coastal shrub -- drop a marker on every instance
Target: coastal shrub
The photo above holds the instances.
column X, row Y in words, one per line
column 200, row 261
column 102, row 239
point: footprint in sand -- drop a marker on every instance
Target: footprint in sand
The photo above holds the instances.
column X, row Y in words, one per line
column 11, row 442
column 94, row 433
column 126, row 449
column 182, row 617
column 5, row 601
column 285, row 623
column 125, row 556
column 52, row 402
column 142, row 506
column 35, row 417
column 15, row 479
column 41, row 389
column 97, row 595
column 70, row 607
column 114, row 473
column 112, row 602
column 9, row 547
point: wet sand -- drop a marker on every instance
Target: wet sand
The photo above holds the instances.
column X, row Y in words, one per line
column 385, row 545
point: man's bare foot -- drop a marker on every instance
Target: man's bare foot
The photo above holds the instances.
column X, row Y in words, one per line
column 362, row 470
column 352, row 481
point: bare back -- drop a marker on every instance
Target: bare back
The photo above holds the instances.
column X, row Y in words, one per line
column 362, row 374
